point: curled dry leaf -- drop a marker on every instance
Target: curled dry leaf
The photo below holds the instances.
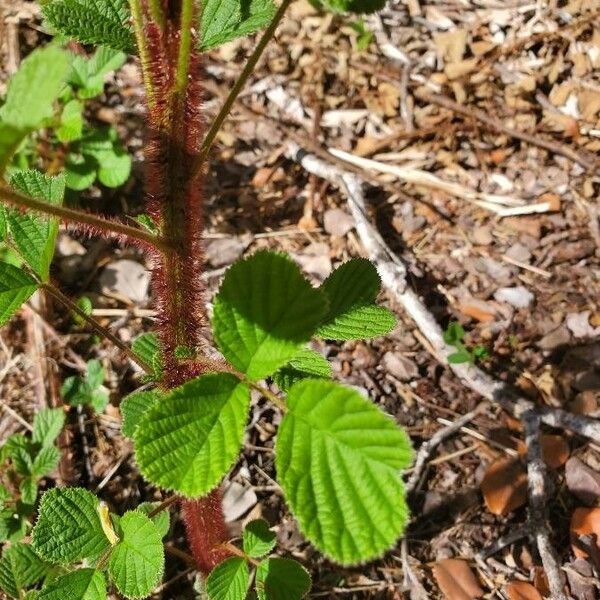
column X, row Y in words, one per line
column 521, row 590
column 582, row 481
column 456, row 579
column 585, row 521
column 504, row 486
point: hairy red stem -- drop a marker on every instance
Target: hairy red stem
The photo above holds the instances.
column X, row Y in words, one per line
column 174, row 201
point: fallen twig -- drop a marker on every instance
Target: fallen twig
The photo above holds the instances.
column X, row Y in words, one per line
column 393, row 275
column 538, row 496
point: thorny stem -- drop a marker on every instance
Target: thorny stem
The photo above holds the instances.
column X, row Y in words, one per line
column 94, row 324
column 71, row 215
column 185, row 44
column 238, row 86
column 156, row 12
column 137, row 14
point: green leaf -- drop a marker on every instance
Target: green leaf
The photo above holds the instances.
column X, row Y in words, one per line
column 307, row 363
column 35, row 235
column 104, row 61
column 28, row 488
column 47, row 425
column 229, row 580
column 226, row 20
column 16, row 287
column 80, row 171
column 136, row 563
column 350, row 6
column 79, row 391
column 71, row 122
column 83, row 584
column 99, row 22
column 462, row 356
column 45, row 71
column 351, row 290
column 454, row 333
column 161, row 520
column 114, row 168
column 147, row 347
column 338, row 460
column 192, row 437
column 20, row 568
column 264, row 312
column 46, row 461
column 258, row 539
column 281, row 579
column 133, row 408
column 68, row 527
column 22, row 461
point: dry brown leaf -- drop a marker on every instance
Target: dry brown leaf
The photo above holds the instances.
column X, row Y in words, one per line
column 504, row 486
column 555, row 450
column 456, row 579
column 521, row 590
column 585, row 521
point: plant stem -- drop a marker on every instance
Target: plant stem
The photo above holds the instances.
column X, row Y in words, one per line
column 166, row 503
column 185, row 44
column 233, row 549
column 94, row 324
column 238, row 86
column 138, row 26
column 156, row 12
column 98, row 225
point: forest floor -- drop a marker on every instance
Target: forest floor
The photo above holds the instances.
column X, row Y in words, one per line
column 504, row 238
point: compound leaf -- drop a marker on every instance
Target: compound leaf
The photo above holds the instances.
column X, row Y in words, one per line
column 192, row 437
column 281, row 579
column 338, row 461
column 258, row 539
column 133, row 408
column 351, row 290
column 68, row 528
column 35, row 235
column 20, row 568
column 16, row 287
column 307, row 363
column 226, row 20
column 264, row 312
column 98, row 22
column 83, row 584
column 137, row 562
column 229, row 580
column 47, row 424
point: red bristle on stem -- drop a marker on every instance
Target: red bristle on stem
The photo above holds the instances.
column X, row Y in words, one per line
column 175, row 203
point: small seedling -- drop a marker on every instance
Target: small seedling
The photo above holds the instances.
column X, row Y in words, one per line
column 454, row 336
column 364, row 36
column 88, row 390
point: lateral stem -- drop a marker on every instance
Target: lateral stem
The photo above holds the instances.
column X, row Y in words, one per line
column 237, row 552
column 137, row 14
column 166, row 503
column 185, row 44
column 237, row 87
column 79, row 217
column 94, row 324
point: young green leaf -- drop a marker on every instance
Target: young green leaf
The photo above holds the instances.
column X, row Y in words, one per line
column 101, row 22
column 351, row 290
column 454, row 333
column 89, row 390
column 307, row 363
column 16, row 287
column 68, row 527
column 147, row 347
column 133, row 408
column 161, row 520
column 80, row 171
column 137, row 562
column 28, row 489
column 258, row 539
column 225, row 20
column 45, row 462
column 350, row 6
column 338, row 460
column 462, row 356
column 34, row 235
column 83, row 584
column 45, row 71
column 264, row 312
column 20, row 568
column 71, row 122
column 281, row 579
column 47, row 424
column 229, row 580
column 112, row 162
column 191, row 438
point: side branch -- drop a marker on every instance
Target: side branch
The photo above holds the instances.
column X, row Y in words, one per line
column 97, row 225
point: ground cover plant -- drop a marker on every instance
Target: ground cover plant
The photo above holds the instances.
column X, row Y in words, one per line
column 339, row 457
